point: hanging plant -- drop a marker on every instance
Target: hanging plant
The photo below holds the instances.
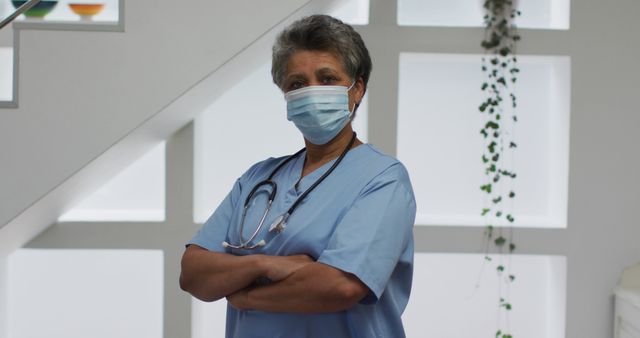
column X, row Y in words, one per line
column 498, row 108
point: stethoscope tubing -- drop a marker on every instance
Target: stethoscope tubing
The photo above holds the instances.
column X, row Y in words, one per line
column 274, row 188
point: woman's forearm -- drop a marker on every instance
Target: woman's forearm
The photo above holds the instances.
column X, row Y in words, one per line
column 314, row 288
column 210, row 276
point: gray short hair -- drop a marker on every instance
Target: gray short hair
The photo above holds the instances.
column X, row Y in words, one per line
column 321, row 33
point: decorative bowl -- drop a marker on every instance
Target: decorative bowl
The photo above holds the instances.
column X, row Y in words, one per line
column 41, row 9
column 86, row 10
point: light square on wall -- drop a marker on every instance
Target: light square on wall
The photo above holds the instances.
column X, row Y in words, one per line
column 541, row 14
column 440, row 143
column 445, row 301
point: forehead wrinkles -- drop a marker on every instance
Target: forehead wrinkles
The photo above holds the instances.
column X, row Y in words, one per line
column 305, row 58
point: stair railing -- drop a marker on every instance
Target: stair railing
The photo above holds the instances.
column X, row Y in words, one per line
column 25, row 7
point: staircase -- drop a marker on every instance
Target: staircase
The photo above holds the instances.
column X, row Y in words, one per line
column 91, row 98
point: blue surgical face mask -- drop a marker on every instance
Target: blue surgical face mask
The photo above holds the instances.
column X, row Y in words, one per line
column 319, row 112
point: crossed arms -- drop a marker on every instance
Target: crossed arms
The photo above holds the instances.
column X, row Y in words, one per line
column 299, row 284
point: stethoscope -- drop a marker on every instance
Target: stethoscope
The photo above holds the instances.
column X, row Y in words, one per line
column 280, row 222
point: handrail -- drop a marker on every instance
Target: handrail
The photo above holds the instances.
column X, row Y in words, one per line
column 25, row 7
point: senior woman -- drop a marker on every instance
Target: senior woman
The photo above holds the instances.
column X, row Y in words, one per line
column 318, row 243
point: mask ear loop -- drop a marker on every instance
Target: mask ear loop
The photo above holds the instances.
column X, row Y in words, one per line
column 355, row 104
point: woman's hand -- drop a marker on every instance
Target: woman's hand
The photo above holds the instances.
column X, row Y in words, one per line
column 277, row 268
column 314, row 288
column 239, row 299
column 280, row 267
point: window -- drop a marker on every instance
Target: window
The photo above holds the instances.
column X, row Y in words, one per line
column 353, row 12
column 444, row 294
column 208, row 319
column 439, row 140
column 545, row 14
column 6, row 69
column 118, row 294
column 135, row 194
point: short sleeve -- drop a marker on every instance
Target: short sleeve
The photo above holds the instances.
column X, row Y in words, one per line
column 376, row 231
column 214, row 231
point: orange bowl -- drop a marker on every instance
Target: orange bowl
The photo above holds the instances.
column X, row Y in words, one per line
column 86, row 9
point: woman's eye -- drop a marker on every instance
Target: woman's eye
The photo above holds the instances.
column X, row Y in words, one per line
column 329, row 80
column 296, row 85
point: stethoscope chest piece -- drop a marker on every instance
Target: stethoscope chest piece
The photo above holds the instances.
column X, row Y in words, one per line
column 279, row 224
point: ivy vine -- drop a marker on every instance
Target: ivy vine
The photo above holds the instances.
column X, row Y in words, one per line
column 500, row 69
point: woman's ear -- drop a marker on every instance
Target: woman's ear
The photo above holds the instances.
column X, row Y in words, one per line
column 360, row 90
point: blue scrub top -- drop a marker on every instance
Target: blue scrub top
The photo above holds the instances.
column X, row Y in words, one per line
column 358, row 220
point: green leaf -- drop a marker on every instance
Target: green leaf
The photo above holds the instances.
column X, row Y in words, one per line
column 485, row 211
column 484, row 133
column 504, row 51
column 485, row 85
column 489, row 231
column 486, row 187
column 512, row 278
column 495, row 157
column 492, row 147
column 510, row 218
column 513, row 145
column 493, row 42
column 512, row 247
column 500, row 241
column 508, row 173
column 492, row 125
column 497, row 200
column 512, row 194
column 500, row 268
column 485, row 159
column 499, row 213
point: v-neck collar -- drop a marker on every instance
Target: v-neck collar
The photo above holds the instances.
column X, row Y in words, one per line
column 300, row 183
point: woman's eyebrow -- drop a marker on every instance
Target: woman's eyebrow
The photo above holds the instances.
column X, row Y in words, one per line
column 325, row 71
column 293, row 77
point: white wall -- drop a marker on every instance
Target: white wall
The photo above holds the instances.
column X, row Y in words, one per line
column 82, row 91
column 604, row 232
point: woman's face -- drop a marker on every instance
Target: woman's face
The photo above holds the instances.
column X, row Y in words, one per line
column 319, row 68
